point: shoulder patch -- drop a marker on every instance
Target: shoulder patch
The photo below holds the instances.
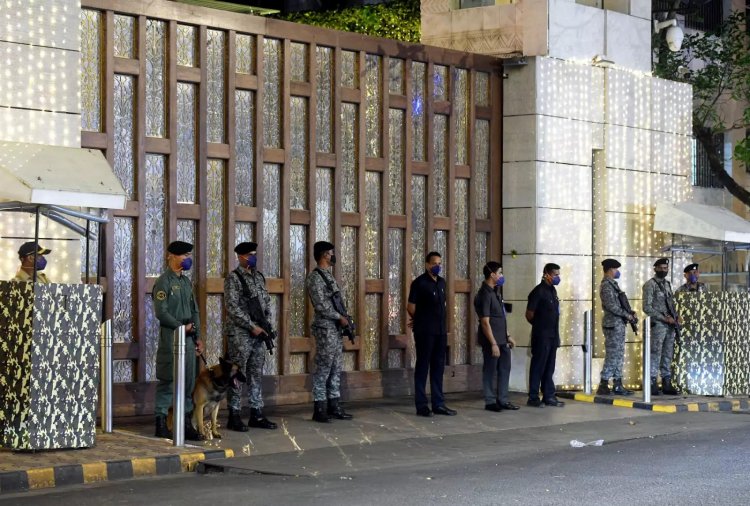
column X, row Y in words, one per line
column 161, row 295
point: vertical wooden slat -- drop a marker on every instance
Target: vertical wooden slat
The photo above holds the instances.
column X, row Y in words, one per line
column 312, row 149
column 231, row 180
column 284, row 229
column 139, row 282
column 109, row 129
column 408, row 122
column 361, row 245
column 495, row 168
column 384, row 211
column 202, row 162
column 171, row 200
column 337, row 173
column 471, row 318
column 451, row 186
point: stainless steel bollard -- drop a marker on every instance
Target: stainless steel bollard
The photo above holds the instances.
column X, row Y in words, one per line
column 587, row 352
column 647, row 359
column 178, row 397
column 105, row 376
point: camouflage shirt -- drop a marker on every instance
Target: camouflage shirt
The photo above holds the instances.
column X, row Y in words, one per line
column 238, row 303
column 23, row 276
column 698, row 287
column 655, row 295
column 320, row 296
column 614, row 314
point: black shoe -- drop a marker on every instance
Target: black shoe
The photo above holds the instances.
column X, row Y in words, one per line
column 336, row 411
column 668, row 388
column 554, row 402
column 259, row 421
column 234, row 422
column 424, row 411
column 654, row 387
column 536, row 403
column 161, row 427
column 493, row 407
column 190, row 433
column 508, row 406
column 444, row 410
column 319, row 412
column 619, row 389
column 603, row 388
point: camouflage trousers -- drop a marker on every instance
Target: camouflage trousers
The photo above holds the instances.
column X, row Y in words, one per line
column 329, row 358
column 614, row 345
column 662, row 350
column 249, row 353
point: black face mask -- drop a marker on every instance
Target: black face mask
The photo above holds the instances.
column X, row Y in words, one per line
column 333, row 259
column 661, row 274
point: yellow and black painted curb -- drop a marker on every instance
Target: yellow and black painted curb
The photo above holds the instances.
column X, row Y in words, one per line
column 624, row 402
column 93, row 472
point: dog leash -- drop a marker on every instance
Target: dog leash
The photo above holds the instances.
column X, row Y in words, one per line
column 205, row 362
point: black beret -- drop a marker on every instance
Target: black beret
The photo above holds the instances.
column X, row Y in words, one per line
column 321, row 247
column 661, row 261
column 691, row 267
column 28, row 248
column 244, row 248
column 179, row 248
column 610, row 263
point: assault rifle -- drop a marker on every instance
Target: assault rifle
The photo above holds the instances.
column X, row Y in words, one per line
column 625, row 304
column 338, row 304
column 258, row 316
column 672, row 312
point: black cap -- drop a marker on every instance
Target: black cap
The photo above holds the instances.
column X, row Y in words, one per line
column 244, row 248
column 661, row 261
column 28, row 248
column 179, row 247
column 691, row 267
column 321, row 247
column 610, row 263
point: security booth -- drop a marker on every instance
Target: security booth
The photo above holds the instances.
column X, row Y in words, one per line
column 49, row 342
column 712, row 356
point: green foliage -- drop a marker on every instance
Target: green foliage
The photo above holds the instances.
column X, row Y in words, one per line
column 398, row 20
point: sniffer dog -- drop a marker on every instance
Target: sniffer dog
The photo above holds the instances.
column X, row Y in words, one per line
column 211, row 387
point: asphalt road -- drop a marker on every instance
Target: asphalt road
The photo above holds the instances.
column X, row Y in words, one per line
column 684, row 458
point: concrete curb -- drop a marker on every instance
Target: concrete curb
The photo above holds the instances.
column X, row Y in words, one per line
column 624, row 402
column 94, row 472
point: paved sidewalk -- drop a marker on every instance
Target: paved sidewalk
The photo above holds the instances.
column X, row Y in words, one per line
column 665, row 403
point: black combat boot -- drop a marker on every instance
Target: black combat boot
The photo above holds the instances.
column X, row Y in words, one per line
column 190, row 433
column 668, row 388
column 259, row 421
column 603, row 388
column 654, row 387
column 336, row 411
column 319, row 413
column 161, row 427
column 234, row 422
column 619, row 389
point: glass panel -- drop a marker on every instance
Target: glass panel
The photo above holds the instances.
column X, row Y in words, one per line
column 480, row 257
column 91, row 70
column 215, row 85
column 371, row 334
column 298, row 363
column 440, row 83
column 349, row 254
column 186, row 132
column 372, row 224
column 324, row 205
column 349, row 158
column 461, row 114
column 271, row 366
column 350, row 361
column 395, row 359
column 244, row 231
column 150, row 341
column 418, row 224
column 396, row 161
column 123, row 279
column 124, row 36
column 298, row 62
column 186, row 54
column 373, row 100
column 324, row 113
column 214, row 338
column 481, row 168
column 440, row 166
column 482, row 94
column 124, row 125
column 461, row 324
column 440, row 244
column 298, row 266
column 396, row 76
column 244, row 53
column 156, row 214
column 461, row 216
column 349, row 69
column 186, row 232
column 244, row 147
column 271, row 236
column 395, row 280
column 122, row 371
column 215, row 217
column 298, row 156
column 419, row 150
column 272, row 66
column 156, row 47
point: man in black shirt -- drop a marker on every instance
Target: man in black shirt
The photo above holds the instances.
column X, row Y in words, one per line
column 543, row 313
column 427, row 309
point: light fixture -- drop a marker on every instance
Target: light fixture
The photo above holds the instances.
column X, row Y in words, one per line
column 674, row 34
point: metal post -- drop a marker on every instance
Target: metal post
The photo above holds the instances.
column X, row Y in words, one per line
column 178, row 398
column 105, row 377
column 587, row 352
column 647, row 359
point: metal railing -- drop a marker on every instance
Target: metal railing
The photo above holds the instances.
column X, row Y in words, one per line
column 647, row 359
column 105, row 377
column 178, row 397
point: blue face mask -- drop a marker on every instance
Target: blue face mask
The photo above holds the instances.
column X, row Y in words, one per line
column 693, row 279
column 556, row 280
column 252, row 261
column 41, row 262
column 500, row 281
column 186, row 264
column 617, row 275
column 435, row 270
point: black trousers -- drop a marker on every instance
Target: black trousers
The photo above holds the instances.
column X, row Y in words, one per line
column 496, row 375
column 430, row 358
column 543, row 355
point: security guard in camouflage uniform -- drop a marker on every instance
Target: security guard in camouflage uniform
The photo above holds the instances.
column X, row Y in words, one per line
column 656, row 292
column 175, row 305
column 692, row 274
column 613, row 325
column 244, row 344
column 327, row 331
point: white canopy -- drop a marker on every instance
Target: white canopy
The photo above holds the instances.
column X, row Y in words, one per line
column 56, row 175
column 700, row 220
